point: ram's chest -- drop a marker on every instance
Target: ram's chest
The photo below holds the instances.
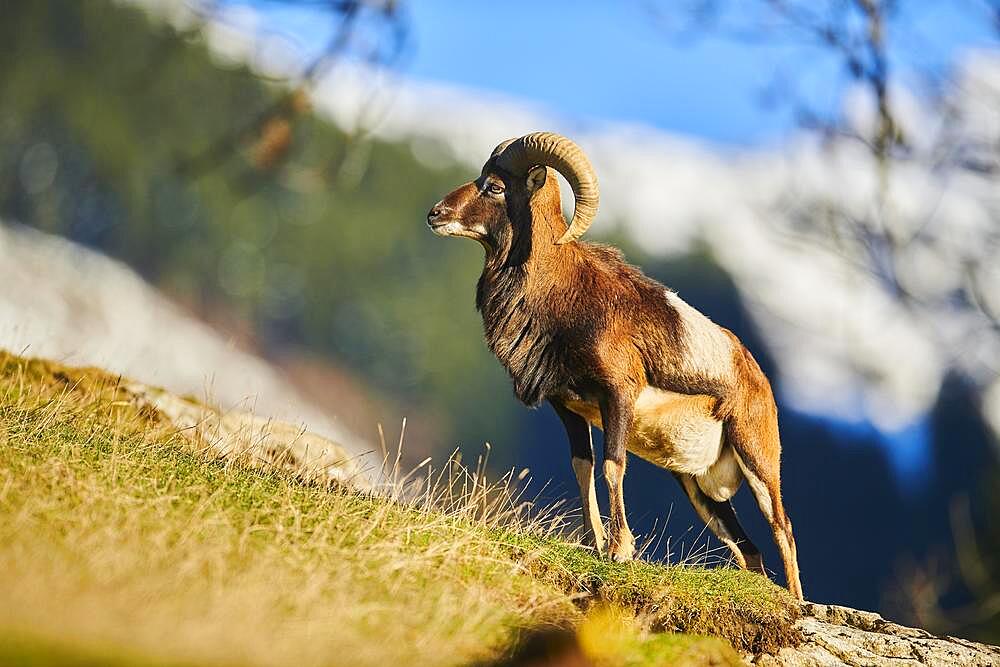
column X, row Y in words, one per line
column 528, row 349
column 671, row 430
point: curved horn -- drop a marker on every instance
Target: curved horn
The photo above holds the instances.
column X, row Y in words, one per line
column 553, row 150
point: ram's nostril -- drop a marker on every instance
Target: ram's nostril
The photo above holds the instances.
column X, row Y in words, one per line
column 435, row 213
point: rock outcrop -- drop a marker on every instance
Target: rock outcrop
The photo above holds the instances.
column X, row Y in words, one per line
column 263, row 442
column 842, row 636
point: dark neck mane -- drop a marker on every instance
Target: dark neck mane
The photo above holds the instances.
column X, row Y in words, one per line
column 518, row 270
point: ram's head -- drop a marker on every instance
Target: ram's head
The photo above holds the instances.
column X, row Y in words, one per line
column 490, row 207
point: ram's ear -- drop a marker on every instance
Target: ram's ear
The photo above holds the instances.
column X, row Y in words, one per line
column 535, row 179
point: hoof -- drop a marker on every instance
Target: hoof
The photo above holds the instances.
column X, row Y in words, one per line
column 595, row 544
column 589, row 544
column 621, row 557
column 754, row 563
column 623, row 553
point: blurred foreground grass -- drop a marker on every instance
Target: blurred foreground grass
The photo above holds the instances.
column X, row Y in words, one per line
column 122, row 546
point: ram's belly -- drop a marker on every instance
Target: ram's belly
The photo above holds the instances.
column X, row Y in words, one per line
column 675, row 431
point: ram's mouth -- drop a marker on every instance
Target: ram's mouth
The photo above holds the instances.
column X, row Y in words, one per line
column 454, row 228
column 445, row 227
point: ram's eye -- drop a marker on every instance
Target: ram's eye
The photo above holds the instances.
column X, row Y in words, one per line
column 495, row 189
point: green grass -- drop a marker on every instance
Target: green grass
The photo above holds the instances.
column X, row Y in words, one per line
column 121, row 545
column 27, row 650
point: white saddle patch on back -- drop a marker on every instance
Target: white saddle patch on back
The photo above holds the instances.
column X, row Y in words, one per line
column 708, row 351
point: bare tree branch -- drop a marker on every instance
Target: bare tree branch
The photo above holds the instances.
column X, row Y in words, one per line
column 271, row 126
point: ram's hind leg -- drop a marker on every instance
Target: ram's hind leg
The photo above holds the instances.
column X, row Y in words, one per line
column 721, row 519
column 753, row 433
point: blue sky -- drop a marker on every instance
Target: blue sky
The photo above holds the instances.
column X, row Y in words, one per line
column 619, row 61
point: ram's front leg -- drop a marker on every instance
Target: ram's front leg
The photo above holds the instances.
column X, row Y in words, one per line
column 616, row 415
column 582, row 452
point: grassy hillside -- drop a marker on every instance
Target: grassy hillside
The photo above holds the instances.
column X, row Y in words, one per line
column 121, row 545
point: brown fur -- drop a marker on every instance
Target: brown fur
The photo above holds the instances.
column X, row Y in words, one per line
column 577, row 326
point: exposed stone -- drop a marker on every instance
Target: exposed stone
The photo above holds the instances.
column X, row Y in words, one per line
column 836, row 635
column 253, row 440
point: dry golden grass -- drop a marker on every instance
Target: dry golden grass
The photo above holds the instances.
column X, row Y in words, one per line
column 122, row 545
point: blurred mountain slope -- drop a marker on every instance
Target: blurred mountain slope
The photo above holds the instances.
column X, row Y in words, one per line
column 65, row 302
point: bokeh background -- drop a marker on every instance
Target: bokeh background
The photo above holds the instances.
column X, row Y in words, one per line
column 823, row 178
